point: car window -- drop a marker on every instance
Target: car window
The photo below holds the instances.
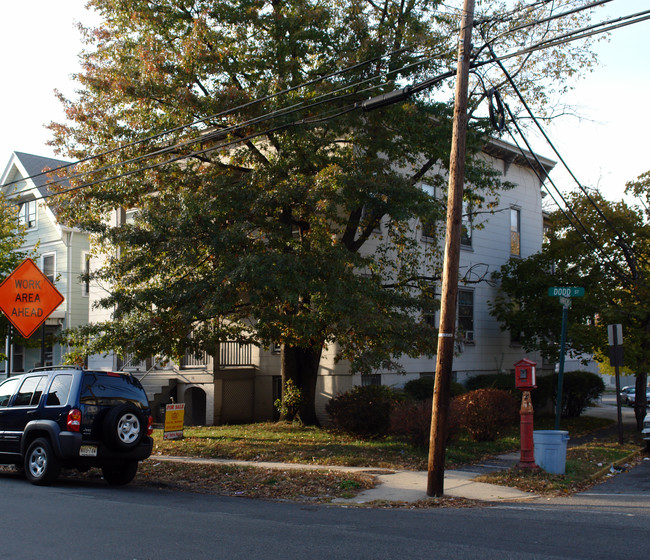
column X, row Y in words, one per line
column 30, row 391
column 58, row 393
column 7, row 389
column 106, row 389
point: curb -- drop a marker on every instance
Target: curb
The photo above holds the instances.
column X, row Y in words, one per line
column 602, row 472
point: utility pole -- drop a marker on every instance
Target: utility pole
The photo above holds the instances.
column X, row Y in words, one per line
column 445, row 355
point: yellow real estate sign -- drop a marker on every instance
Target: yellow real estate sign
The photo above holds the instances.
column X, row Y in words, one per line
column 174, row 417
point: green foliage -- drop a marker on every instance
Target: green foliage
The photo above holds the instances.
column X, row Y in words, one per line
column 483, row 412
column 363, row 411
column 610, row 262
column 419, row 389
column 422, row 388
column 503, row 381
column 289, row 405
column 269, row 206
column 580, row 390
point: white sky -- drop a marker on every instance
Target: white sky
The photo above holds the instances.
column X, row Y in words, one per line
column 608, row 146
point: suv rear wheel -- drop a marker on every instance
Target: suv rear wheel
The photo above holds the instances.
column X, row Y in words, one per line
column 41, row 465
column 118, row 475
column 124, row 427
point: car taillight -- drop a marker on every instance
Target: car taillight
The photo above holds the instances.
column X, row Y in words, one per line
column 150, row 426
column 74, row 420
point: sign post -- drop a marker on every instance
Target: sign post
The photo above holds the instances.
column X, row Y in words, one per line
column 565, row 293
column 27, row 298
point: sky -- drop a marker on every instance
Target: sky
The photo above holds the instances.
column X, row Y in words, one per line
column 606, row 147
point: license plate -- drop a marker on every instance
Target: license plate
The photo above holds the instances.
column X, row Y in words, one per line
column 88, row 451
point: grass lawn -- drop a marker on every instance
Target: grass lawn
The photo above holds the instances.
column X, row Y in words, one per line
column 291, row 443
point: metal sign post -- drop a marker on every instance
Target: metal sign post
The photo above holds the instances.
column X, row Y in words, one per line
column 565, row 293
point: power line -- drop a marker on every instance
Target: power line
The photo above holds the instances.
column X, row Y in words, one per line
column 223, row 132
column 400, row 94
column 623, row 245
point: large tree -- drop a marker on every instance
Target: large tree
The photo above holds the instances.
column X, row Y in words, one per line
column 284, row 212
column 604, row 247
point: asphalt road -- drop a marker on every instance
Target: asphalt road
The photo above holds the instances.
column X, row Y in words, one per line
column 90, row 520
column 85, row 519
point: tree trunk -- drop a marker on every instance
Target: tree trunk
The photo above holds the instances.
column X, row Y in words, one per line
column 301, row 366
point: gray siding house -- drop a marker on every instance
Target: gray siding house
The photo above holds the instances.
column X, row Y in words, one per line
column 246, row 381
column 62, row 254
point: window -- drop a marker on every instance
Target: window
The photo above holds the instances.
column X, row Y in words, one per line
column 515, row 231
column 429, row 225
column 371, row 379
column 466, row 225
column 366, row 216
column 27, row 214
column 30, row 391
column 48, row 266
column 7, row 389
column 18, row 358
column 58, row 393
column 85, row 274
column 429, row 305
column 466, row 314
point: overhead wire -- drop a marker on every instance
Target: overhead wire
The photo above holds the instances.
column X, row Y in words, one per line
column 592, row 241
column 607, row 221
column 226, row 112
column 574, row 35
column 233, row 128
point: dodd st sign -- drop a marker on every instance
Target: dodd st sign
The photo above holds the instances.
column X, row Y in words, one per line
column 27, row 298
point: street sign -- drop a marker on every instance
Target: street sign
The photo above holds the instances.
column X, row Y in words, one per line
column 566, row 291
column 615, row 334
column 27, row 298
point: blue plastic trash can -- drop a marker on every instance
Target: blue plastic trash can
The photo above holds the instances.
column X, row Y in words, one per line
column 550, row 450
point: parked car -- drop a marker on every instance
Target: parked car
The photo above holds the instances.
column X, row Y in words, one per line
column 631, row 396
column 645, row 432
column 65, row 417
column 626, row 392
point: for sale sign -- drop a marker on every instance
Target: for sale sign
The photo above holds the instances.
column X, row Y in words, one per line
column 174, row 420
column 27, row 298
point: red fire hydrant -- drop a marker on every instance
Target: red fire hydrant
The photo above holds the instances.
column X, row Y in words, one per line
column 525, row 381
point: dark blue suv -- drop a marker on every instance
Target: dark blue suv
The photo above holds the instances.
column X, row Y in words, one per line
column 54, row 418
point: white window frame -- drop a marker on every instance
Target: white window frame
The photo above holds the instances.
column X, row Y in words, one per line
column 429, row 228
column 24, row 213
column 515, row 231
column 85, row 269
column 54, row 275
column 467, row 222
column 468, row 334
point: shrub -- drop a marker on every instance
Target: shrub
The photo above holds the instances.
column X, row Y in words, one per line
column 503, row 381
column 484, row 411
column 411, row 420
column 363, row 411
column 580, row 390
column 289, row 405
column 419, row 389
column 422, row 389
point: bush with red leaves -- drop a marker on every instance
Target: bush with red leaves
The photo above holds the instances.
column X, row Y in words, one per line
column 482, row 413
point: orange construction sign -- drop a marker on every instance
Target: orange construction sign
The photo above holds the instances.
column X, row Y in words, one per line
column 27, row 298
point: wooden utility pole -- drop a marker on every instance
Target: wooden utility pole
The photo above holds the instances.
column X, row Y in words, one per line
column 445, row 355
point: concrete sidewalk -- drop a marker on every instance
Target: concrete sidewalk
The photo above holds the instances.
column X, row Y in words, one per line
column 401, row 486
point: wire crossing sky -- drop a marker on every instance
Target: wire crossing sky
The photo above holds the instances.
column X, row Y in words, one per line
column 605, row 145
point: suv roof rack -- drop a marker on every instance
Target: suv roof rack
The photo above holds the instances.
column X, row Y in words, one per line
column 48, row 368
